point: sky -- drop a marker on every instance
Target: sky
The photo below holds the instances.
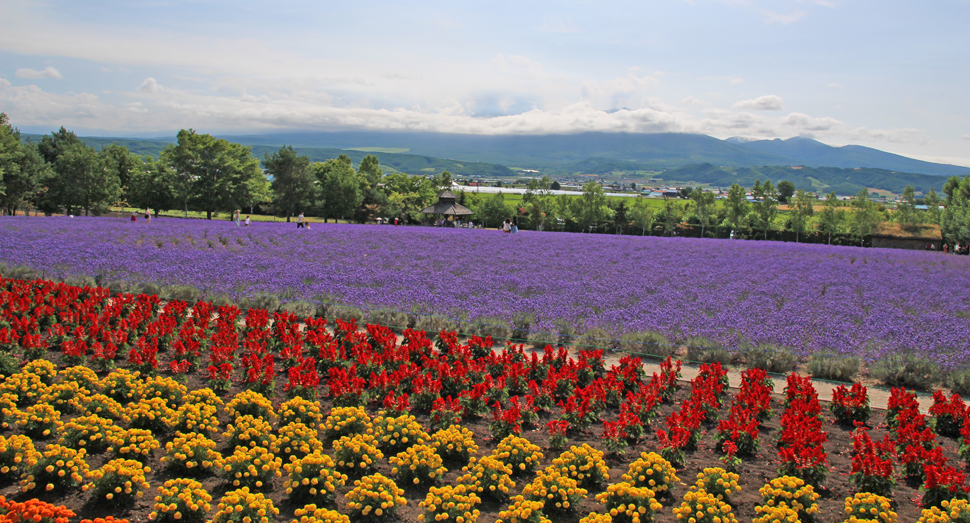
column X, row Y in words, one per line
column 889, row 74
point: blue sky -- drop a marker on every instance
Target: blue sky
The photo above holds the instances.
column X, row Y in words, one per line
column 887, row 74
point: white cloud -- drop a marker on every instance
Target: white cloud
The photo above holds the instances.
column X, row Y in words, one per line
column 963, row 137
column 518, row 63
column 4, row 83
column 733, row 80
column 893, row 135
column 149, row 85
column 806, row 123
column 47, row 72
column 768, row 102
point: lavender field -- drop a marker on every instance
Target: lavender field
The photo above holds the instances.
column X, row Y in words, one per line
column 808, row 298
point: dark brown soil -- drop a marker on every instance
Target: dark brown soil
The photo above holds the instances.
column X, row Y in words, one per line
column 754, row 472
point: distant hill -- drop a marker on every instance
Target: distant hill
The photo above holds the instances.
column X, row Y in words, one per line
column 844, row 182
column 391, row 162
column 806, row 151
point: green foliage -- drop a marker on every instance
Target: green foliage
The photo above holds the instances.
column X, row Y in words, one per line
column 652, row 344
column 905, row 370
column 771, row 359
column 833, row 367
column 293, row 182
column 955, row 219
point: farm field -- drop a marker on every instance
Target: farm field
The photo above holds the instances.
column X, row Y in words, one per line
column 807, row 299
column 193, row 403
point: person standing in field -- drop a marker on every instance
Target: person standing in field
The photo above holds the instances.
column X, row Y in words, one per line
column 299, row 221
column 247, row 221
column 235, row 217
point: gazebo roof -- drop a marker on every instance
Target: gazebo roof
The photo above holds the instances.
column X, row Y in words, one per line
column 448, row 206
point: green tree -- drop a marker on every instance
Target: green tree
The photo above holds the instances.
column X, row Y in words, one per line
column 641, row 215
column 293, row 184
column 832, row 216
column 590, row 209
column 620, row 215
column 374, row 195
column 671, row 215
column 493, row 210
column 538, row 201
column 214, row 174
column 785, row 191
column 703, row 206
column 865, row 216
column 340, row 193
column 932, row 202
column 955, row 219
column 122, row 162
column 737, row 206
column 555, row 186
column 152, row 186
column 765, row 204
column 443, row 181
column 800, row 211
column 906, row 208
column 81, row 182
column 51, row 146
column 407, row 195
column 21, row 168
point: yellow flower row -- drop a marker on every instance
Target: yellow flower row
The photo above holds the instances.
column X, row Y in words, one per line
column 584, row 464
column 314, row 477
column 519, row 453
column 652, row 471
column 182, row 500
column 374, row 496
column 455, row 443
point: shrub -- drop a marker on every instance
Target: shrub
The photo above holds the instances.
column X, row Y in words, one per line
column 268, row 302
column 302, row 309
column 488, row 476
column 450, row 503
column 717, row 482
column 629, row 504
column 138, row 444
column 152, row 414
column 312, row 514
column 374, row 498
column 484, row 327
column 833, row 367
column 181, row 500
column 121, row 385
column 39, row 421
column 118, row 481
column 905, row 370
column 650, row 344
column 83, row 376
column 558, row 492
column 653, row 472
column 357, row 453
column 43, row 369
column 253, row 467
column 300, row 410
column 243, row 506
column 313, row 477
column 169, row 390
column 89, row 432
column 248, row 431
column 250, row 403
column 345, row 313
column 346, row 421
column 958, row 380
column 597, row 338
column 100, row 405
column 61, row 396
column 24, row 387
column 710, row 355
column 56, row 468
column 869, row 507
column 793, row 492
column 295, row 441
column 518, row 453
column 394, row 320
column 455, row 444
column 16, row 452
column 394, row 434
column 953, row 511
column 771, row 359
column 522, row 511
column 417, row 464
column 584, row 464
column 700, row 506
column 191, row 454
column 198, row 414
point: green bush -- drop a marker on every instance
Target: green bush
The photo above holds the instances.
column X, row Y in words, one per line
column 651, row 344
column 9, row 364
column 397, row 321
column 541, row 339
column 521, row 324
column 711, row 355
column 597, row 338
column 149, row 289
column 220, row 299
column 497, row 328
column 905, row 370
column 959, row 381
column 80, row 281
column 184, row 293
column 833, row 367
column 302, row 309
column 771, row 359
column 260, row 301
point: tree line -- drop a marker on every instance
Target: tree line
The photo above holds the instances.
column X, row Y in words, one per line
column 199, row 172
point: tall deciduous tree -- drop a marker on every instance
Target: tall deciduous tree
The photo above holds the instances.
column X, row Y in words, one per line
column 590, row 208
column 493, row 210
column 906, row 208
column 671, row 215
column 374, row 194
column 832, row 215
column 765, row 204
column 737, row 206
column 955, row 219
column 408, row 195
column 703, row 206
column 538, row 201
column 339, row 187
column 800, row 210
column 785, row 191
column 864, row 217
column 80, row 181
column 122, row 162
column 294, row 187
column 932, row 202
column 641, row 215
column 152, row 186
column 214, row 174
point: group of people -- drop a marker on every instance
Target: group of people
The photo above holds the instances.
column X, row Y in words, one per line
column 134, row 216
column 509, row 227
column 235, row 218
column 957, row 249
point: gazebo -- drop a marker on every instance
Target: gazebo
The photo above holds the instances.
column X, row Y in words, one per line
column 448, row 205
